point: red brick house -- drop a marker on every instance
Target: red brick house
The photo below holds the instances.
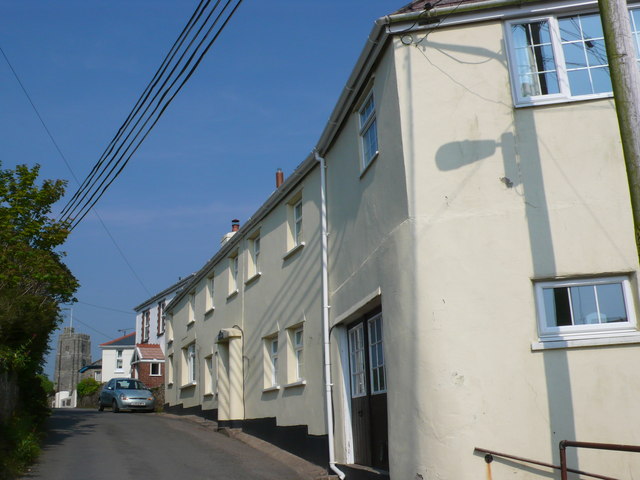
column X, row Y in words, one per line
column 147, row 364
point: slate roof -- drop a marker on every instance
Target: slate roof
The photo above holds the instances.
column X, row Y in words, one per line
column 125, row 341
column 149, row 351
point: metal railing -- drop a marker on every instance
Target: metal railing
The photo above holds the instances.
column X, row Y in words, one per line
column 564, row 469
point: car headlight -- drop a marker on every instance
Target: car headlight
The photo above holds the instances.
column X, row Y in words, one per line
column 123, row 396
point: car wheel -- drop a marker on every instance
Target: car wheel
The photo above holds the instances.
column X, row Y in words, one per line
column 114, row 407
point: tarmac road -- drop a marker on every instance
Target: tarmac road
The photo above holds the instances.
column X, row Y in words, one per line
column 92, row 445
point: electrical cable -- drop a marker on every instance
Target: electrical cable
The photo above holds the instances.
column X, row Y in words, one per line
column 142, row 99
column 76, row 212
column 111, row 163
column 37, row 112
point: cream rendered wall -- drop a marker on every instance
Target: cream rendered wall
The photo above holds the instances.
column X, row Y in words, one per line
column 371, row 254
column 470, row 377
column 287, row 293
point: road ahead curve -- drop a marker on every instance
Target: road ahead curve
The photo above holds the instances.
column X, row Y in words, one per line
column 92, row 445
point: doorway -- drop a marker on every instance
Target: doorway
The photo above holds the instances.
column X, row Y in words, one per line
column 368, row 392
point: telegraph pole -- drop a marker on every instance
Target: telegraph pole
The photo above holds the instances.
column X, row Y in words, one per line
column 625, row 78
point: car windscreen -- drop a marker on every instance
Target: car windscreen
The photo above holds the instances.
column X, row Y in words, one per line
column 130, row 385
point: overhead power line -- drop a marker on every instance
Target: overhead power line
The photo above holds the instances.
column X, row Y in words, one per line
column 64, row 159
column 202, row 30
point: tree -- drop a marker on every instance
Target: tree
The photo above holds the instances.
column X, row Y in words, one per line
column 33, row 278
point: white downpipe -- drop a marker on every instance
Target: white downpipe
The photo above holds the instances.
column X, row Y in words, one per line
column 325, row 317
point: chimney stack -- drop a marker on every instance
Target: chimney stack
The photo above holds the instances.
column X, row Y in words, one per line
column 279, row 177
column 235, row 226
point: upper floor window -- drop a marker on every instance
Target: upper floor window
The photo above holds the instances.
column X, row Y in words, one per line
column 297, row 223
column 234, row 267
column 584, row 308
column 161, row 320
column 146, row 321
column 368, row 130
column 210, row 293
column 295, row 236
column 254, row 255
column 119, row 365
column 191, row 308
column 559, row 58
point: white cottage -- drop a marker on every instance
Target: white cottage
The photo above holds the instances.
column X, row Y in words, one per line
column 474, row 281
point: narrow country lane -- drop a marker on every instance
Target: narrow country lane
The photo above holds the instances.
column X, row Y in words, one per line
column 92, row 445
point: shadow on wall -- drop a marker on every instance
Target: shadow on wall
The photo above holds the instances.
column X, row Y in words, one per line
column 526, row 172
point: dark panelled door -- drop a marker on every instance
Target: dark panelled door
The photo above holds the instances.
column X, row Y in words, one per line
column 368, row 393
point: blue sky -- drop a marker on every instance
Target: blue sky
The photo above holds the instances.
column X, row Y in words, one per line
column 258, row 102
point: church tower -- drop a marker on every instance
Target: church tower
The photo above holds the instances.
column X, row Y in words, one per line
column 74, row 352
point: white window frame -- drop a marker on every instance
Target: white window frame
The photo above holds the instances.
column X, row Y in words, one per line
column 577, row 335
column 254, row 257
column 170, row 370
column 564, row 94
column 191, row 363
column 272, row 349
column 297, row 341
column 161, row 318
column 357, row 361
column 367, row 124
column 377, row 370
column 234, row 271
column 191, row 308
column 210, row 287
column 296, row 224
column 146, row 326
column 119, row 360
column 159, row 373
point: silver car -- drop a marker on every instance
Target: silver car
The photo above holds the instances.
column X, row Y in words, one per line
column 126, row 394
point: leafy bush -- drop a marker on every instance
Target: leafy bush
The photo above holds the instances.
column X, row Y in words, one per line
column 87, row 386
column 19, row 444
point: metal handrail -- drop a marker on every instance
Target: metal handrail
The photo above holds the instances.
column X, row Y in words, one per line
column 597, row 446
column 489, row 454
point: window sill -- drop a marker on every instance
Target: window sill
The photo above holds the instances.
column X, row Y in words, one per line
column 209, row 394
column 299, row 383
column 155, row 374
column 232, row 295
column 209, row 311
column 274, row 388
column 170, row 384
column 293, row 251
column 191, row 322
column 188, row 385
column 584, row 341
column 253, row 278
column 368, row 166
column 557, row 99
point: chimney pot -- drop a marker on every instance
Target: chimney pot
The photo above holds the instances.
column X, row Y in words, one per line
column 235, row 225
column 279, row 177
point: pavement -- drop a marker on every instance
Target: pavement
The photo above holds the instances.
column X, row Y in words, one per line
column 301, row 466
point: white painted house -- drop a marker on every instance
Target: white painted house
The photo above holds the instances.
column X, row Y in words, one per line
column 474, row 282
column 116, row 357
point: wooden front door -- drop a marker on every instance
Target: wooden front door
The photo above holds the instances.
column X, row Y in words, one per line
column 368, row 393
